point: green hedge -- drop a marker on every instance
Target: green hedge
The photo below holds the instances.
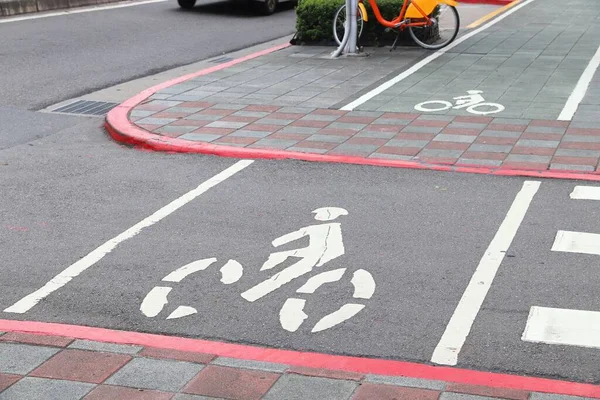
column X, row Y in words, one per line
column 314, row 23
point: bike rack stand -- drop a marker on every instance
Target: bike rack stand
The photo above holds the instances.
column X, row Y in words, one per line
column 348, row 45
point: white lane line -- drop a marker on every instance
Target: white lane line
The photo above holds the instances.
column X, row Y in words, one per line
column 577, row 242
column 60, row 280
column 386, row 85
column 465, row 313
column 76, row 11
column 561, row 326
column 581, row 88
column 586, row 193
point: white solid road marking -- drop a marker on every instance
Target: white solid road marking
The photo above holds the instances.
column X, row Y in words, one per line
column 577, row 242
column 155, row 301
column 231, row 272
column 447, row 350
column 60, row 280
column 580, row 89
column 364, row 284
column 77, row 11
column 386, row 85
column 564, row 327
column 318, row 280
column 586, row 193
column 346, row 312
column 182, row 311
column 292, row 315
column 180, row 273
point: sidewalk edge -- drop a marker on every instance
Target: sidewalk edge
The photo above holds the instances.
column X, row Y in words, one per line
column 307, row 359
column 124, row 131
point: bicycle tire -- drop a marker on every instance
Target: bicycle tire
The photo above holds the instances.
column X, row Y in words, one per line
column 336, row 19
column 415, row 30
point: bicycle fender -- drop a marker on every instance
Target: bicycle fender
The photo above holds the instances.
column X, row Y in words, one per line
column 427, row 6
column 452, row 3
column 363, row 12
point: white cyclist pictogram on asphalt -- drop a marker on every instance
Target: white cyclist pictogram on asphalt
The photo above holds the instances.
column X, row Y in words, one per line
column 473, row 103
column 325, row 244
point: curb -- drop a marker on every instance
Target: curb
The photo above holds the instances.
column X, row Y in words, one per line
column 308, row 359
column 16, row 7
column 124, row 131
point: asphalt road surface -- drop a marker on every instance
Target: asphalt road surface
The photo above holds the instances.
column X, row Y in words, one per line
column 421, row 235
column 49, row 60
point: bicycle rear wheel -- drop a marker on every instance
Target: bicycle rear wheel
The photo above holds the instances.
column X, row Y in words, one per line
column 340, row 19
column 446, row 24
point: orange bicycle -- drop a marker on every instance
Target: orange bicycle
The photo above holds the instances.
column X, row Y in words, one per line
column 432, row 24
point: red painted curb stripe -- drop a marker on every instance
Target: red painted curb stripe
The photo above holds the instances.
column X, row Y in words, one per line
column 307, row 359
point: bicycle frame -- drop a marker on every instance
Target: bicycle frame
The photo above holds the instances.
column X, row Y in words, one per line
column 398, row 22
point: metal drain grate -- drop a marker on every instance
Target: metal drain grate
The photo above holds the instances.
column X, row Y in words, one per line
column 221, row 60
column 87, row 107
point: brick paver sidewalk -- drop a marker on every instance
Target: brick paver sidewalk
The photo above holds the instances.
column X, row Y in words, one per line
column 521, row 144
column 62, row 368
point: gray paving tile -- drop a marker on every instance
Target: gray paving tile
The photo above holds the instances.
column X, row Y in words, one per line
column 391, row 156
column 455, row 138
column 477, row 161
column 147, row 373
column 275, row 143
column 227, row 124
column 581, row 139
column 404, row 381
column 528, row 158
column 350, row 148
column 577, row 153
column 506, row 134
column 155, row 121
column 547, row 144
column 407, row 143
column 141, row 113
column 298, row 387
column 200, row 137
column 47, row 389
column 108, row 347
column 252, row 114
column 249, row 364
column 344, row 125
column 492, row 148
column 545, row 129
column 250, row 134
column 328, row 138
column 570, row 167
column 545, row 396
column 21, row 359
column 273, row 121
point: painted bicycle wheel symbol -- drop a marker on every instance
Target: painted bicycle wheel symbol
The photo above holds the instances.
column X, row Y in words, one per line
column 324, row 244
column 473, row 103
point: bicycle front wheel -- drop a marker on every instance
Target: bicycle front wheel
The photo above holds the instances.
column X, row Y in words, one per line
column 340, row 19
column 441, row 33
